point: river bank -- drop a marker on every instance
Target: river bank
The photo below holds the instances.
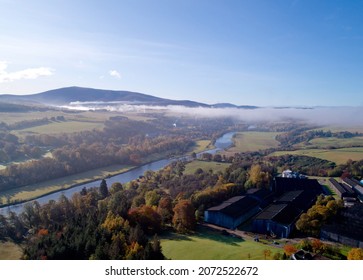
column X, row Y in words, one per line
column 125, row 176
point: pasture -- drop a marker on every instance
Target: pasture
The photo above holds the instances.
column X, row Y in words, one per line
column 332, row 142
column 206, row 244
column 252, row 141
column 338, row 156
column 61, row 127
column 192, row 166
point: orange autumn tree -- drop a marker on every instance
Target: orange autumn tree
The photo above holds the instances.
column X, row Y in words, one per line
column 184, row 216
column 289, row 249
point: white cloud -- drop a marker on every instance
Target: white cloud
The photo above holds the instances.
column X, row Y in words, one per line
column 115, row 74
column 30, row 73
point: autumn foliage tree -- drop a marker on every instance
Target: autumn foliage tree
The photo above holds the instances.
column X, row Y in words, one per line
column 147, row 217
column 258, row 178
column 319, row 214
column 289, row 249
column 184, row 216
column 355, row 254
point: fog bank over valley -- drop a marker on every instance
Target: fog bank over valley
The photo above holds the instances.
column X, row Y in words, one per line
column 341, row 116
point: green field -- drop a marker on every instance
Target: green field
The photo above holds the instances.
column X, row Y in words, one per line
column 353, row 129
column 332, row 142
column 10, row 251
column 338, row 156
column 212, row 245
column 61, row 127
column 253, row 141
column 191, row 167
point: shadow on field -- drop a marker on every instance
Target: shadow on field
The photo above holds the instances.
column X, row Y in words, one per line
column 219, row 236
column 176, row 237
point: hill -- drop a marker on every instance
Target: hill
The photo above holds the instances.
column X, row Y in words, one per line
column 64, row 96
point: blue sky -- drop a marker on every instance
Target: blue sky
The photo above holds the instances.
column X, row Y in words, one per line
column 253, row 52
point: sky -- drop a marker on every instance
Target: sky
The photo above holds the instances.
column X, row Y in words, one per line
column 246, row 52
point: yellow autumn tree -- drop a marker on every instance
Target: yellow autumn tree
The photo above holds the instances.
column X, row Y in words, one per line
column 355, row 254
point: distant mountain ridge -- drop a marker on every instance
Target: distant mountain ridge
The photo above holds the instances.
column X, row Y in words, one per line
column 64, row 96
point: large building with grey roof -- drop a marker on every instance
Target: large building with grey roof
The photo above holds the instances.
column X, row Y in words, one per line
column 295, row 197
column 232, row 212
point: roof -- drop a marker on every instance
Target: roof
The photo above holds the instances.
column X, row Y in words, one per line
column 350, row 182
column 289, row 196
column 283, row 185
column 288, row 215
column 271, row 211
column 338, row 186
column 262, row 193
column 236, row 205
column 280, row 213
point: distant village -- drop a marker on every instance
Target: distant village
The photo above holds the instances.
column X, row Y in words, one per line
column 273, row 212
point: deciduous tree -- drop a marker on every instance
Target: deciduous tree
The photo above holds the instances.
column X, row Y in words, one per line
column 355, row 254
column 184, row 216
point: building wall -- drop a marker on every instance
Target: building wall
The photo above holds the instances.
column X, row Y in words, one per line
column 220, row 219
column 269, row 226
column 331, row 236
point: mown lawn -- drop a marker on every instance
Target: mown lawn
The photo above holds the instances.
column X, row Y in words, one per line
column 212, row 245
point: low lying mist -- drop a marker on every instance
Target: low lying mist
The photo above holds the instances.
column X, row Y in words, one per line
column 339, row 116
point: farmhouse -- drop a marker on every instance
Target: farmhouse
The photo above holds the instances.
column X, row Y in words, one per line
column 232, row 212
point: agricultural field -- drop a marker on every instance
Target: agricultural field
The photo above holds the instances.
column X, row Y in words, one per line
column 60, row 127
column 192, row 166
column 211, row 245
column 252, row 141
column 332, row 143
column 339, row 156
column 353, row 129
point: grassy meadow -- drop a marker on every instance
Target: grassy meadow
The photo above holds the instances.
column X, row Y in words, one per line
column 191, row 167
column 332, row 142
column 252, row 141
column 61, row 127
column 338, row 156
column 206, row 244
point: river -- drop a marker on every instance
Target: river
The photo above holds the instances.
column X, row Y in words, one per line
column 221, row 143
